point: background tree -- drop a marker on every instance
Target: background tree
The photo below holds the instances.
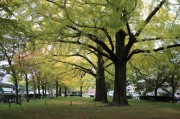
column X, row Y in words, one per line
column 174, row 77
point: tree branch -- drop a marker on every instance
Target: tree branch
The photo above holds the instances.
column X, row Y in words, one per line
column 108, row 65
column 152, row 39
column 129, row 30
column 93, row 3
column 89, row 71
column 94, row 38
column 109, row 38
column 109, row 73
column 79, row 55
column 148, row 39
column 150, row 16
column 137, row 51
column 169, row 46
column 136, row 69
column 51, row 1
column 86, row 45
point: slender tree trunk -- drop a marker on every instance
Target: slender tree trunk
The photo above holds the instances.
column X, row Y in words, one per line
column 60, row 88
column 120, row 63
column 39, row 94
column 57, row 87
column 16, row 89
column 65, row 92
column 16, row 85
column 27, row 85
column 173, row 88
column 81, row 90
column 34, row 86
column 173, row 96
column 155, row 93
column 43, row 91
column 15, row 81
column 101, row 90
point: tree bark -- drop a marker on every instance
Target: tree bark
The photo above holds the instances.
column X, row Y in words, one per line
column 60, row 93
column 120, row 97
column 173, row 96
column 101, row 91
column 120, row 63
column 16, row 85
column 81, row 91
column 15, row 81
column 27, row 85
column 16, row 89
column 155, row 93
column 173, row 88
column 57, row 87
column 34, row 86
column 39, row 94
column 43, row 90
column 65, row 92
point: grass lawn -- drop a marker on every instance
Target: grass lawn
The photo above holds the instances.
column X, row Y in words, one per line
column 85, row 108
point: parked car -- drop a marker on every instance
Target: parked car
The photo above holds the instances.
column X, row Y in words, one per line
column 176, row 98
column 110, row 93
column 135, row 95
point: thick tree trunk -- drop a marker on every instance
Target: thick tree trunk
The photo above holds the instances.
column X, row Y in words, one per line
column 120, row 63
column 27, row 85
column 97, row 91
column 120, row 97
column 101, row 91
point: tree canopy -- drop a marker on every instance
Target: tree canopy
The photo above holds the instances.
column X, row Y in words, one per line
column 64, row 39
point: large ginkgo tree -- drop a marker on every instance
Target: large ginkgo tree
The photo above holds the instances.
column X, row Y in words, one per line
column 122, row 28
